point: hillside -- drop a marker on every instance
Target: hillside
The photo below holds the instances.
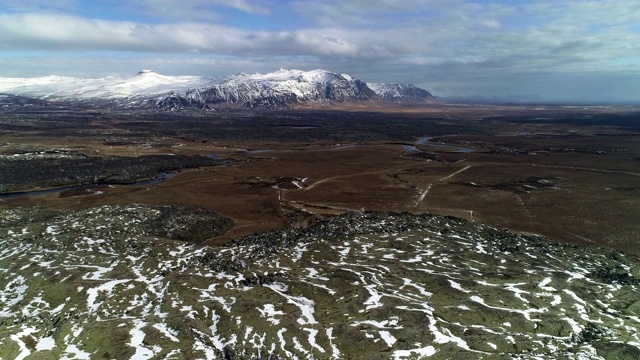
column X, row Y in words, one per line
column 109, row 282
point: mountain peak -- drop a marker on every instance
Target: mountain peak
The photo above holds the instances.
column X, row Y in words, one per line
column 145, row 71
column 401, row 92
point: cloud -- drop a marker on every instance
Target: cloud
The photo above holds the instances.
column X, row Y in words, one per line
column 581, row 13
column 473, row 34
column 453, row 15
column 37, row 5
column 73, row 33
column 246, row 6
column 362, row 13
column 467, row 32
column 185, row 10
column 441, row 44
column 196, row 9
column 127, row 65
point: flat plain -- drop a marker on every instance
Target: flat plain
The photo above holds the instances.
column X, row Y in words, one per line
column 571, row 174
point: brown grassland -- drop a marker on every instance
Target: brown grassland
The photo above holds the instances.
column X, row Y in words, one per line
column 571, row 174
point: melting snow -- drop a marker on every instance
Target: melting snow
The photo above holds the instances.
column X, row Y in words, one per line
column 128, row 286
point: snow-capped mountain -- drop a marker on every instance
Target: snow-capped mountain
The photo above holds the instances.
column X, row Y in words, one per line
column 401, row 92
column 282, row 88
column 279, row 89
column 133, row 91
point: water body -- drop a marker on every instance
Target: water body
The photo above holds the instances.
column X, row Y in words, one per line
column 459, row 149
column 225, row 162
column 412, row 149
column 423, row 140
column 160, row 178
column 339, row 147
column 19, row 194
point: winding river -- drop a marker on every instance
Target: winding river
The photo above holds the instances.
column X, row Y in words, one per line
column 160, row 178
column 425, row 141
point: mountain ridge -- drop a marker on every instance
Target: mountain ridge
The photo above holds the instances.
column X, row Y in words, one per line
column 148, row 89
column 401, row 92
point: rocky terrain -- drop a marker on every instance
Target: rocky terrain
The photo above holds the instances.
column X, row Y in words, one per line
column 9, row 101
column 122, row 281
column 63, row 167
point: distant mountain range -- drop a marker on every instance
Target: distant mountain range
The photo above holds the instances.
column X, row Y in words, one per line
column 280, row 89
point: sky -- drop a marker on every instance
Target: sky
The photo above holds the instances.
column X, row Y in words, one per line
column 558, row 50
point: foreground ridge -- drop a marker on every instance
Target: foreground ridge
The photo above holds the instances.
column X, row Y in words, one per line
column 103, row 283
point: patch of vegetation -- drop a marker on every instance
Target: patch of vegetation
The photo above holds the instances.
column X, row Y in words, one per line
column 187, row 223
column 20, row 217
column 627, row 188
column 62, row 171
column 613, row 275
column 617, row 350
column 589, row 334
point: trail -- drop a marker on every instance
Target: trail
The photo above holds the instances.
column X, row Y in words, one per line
column 302, row 206
column 577, row 236
column 567, row 167
column 454, row 174
column 320, row 182
column 523, row 205
column 606, row 171
column 424, row 193
column 381, row 171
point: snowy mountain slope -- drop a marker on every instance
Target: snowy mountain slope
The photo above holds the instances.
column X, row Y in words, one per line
column 282, row 88
column 148, row 83
column 145, row 84
column 401, row 92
